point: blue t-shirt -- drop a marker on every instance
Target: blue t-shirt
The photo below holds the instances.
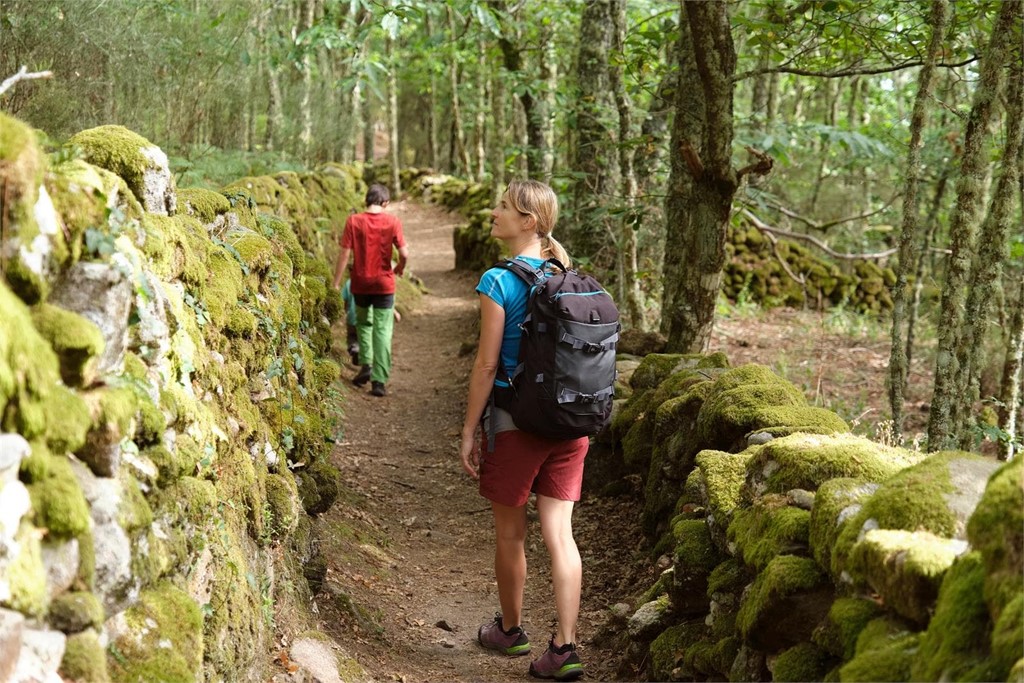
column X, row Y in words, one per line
column 350, row 303
column 508, row 291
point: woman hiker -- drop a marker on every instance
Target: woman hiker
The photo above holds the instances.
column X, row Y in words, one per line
column 520, row 463
column 369, row 238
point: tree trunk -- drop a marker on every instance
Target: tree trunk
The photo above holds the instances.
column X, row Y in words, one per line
column 433, row 135
column 942, row 432
column 458, row 129
column 993, row 251
column 306, row 106
column 275, row 120
column 497, row 139
column 629, row 286
column 1009, row 394
column 908, row 239
column 480, row 116
column 369, row 134
column 596, row 164
column 703, row 181
column 543, row 115
column 396, row 181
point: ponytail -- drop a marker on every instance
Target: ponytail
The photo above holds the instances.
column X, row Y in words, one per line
column 552, row 248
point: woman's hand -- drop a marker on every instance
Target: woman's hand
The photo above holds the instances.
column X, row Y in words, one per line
column 470, row 453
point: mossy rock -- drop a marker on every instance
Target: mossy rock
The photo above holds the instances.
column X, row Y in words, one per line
column 667, row 650
column 721, row 477
column 728, row 578
column 936, row 495
column 26, row 575
column 803, row 662
column 162, row 638
column 85, row 659
column 58, row 504
column 23, row 166
column 68, row 420
column 835, row 503
column 784, row 604
column 283, row 504
column 640, row 343
column 1007, row 635
column 130, row 156
column 76, row 340
column 885, row 651
column 904, row 567
column 769, row 528
column 996, row 529
column 656, row 367
column 203, row 204
column 846, row 619
column 76, row 611
column 806, row 461
column 955, row 646
column 694, row 557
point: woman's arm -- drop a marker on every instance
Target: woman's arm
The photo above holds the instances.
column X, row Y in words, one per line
column 481, row 380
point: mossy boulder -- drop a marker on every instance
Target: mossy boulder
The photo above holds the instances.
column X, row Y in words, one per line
column 76, row 611
column 159, row 638
column 1007, row 635
column 668, row 649
column 885, row 651
column 836, row 502
column 26, row 575
column 721, row 479
column 58, row 504
column 936, row 495
column 996, row 529
column 803, row 662
column 769, row 528
column 694, row 557
column 22, row 165
column 846, row 618
column 784, row 604
column 203, row 204
column 640, row 342
column 141, row 164
column 76, row 340
column 955, row 646
column 806, row 461
column 905, row 568
column 85, row 659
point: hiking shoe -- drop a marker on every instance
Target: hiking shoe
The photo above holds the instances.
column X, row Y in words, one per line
column 513, row 642
column 560, row 663
column 363, row 376
column 378, row 389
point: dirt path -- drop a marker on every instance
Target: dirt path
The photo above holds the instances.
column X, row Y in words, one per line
column 408, row 602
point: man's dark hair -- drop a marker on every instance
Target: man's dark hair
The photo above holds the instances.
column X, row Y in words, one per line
column 377, row 194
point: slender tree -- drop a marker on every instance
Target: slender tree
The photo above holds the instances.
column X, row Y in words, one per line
column 909, row 237
column 1013, row 367
column 942, row 431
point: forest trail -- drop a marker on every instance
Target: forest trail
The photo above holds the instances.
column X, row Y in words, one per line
column 407, row 605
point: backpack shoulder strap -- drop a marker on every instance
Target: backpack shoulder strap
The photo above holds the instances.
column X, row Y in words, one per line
column 531, row 276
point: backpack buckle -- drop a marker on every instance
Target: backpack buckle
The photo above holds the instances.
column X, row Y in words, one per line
column 591, row 347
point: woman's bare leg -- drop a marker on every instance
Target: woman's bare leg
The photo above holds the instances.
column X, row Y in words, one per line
column 510, row 561
column 566, row 567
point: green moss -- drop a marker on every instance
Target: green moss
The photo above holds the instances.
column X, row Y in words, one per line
column 1007, row 636
column 805, row 662
column 668, row 648
column 76, row 611
column 179, row 247
column 26, row 575
column 116, row 149
column 152, row 423
column 885, row 652
column 152, row 557
column 784, row 576
column 728, row 577
column 134, row 512
column 996, row 529
column 256, row 251
column 283, row 502
column 58, row 503
column 694, row 552
column 723, row 475
column 77, row 341
column 958, row 634
column 806, row 461
column 904, row 567
column 116, row 410
column 67, row 420
column 846, row 619
column 737, row 401
column 203, row 204
column 23, row 167
column 655, row 367
column 280, row 231
column 84, row 659
column 226, row 284
column 828, row 518
column 913, row 499
column 767, row 529
column 178, row 622
column 407, row 295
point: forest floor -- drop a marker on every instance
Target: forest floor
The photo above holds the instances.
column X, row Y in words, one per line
column 410, row 543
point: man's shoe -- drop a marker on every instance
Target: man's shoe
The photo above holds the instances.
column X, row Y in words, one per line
column 378, row 389
column 363, row 376
column 513, row 642
column 558, row 663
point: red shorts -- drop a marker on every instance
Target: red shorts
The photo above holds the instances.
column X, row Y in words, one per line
column 523, row 462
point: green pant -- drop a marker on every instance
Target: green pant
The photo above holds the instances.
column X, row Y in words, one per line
column 375, row 322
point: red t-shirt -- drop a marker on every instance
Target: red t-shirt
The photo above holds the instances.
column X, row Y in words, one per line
column 371, row 237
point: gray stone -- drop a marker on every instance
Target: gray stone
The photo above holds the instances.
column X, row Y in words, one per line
column 801, row 498
column 158, row 195
column 61, row 563
column 41, row 652
column 759, row 439
column 151, row 337
column 648, row 621
column 11, row 626
column 316, row 657
column 102, row 293
column 13, row 449
column 620, row 613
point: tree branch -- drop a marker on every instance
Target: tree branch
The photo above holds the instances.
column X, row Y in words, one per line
column 765, row 228
column 763, row 165
column 830, row 224
column 841, row 73
column 22, row 75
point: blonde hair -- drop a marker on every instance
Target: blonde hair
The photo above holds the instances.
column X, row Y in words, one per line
column 534, row 198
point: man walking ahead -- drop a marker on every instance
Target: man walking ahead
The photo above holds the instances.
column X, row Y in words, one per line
column 368, row 238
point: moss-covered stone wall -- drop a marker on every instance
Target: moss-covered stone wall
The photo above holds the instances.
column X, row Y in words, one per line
column 798, row 551
column 165, row 408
